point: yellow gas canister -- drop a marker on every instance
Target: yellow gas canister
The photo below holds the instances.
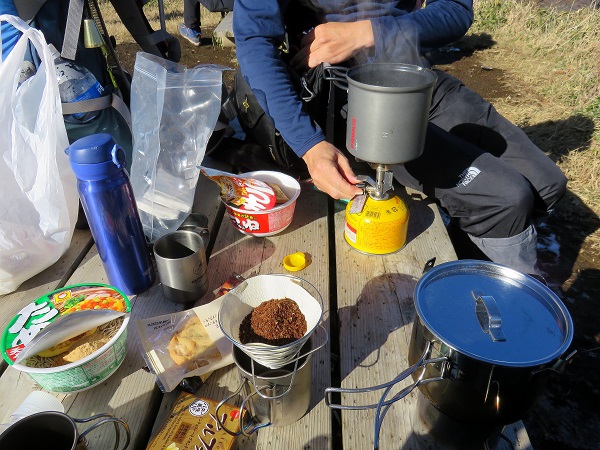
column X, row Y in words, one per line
column 380, row 228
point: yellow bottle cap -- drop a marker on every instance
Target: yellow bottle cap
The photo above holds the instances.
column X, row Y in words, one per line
column 295, row 261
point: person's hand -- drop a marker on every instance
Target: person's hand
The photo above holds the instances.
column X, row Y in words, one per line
column 330, row 171
column 333, row 43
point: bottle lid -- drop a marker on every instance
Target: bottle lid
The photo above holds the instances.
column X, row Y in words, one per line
column 295, row 261
column 96, row 149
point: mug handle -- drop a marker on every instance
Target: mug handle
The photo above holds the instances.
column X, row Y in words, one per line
column 107, row 418
column 243, row 410
column 225, row 400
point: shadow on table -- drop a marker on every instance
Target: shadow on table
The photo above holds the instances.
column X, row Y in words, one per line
column 384, row 306
column 421, row 215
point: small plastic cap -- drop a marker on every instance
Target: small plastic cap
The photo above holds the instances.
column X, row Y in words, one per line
column 295, row 261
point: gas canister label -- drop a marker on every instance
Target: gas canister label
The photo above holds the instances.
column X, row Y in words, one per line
column 380, row 228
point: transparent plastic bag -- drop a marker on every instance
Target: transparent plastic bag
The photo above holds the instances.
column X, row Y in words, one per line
column 165, row 341
column 38, row 199
column 174, row 111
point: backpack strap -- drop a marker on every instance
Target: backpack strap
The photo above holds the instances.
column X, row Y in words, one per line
column 95, row 104
column 71, row 38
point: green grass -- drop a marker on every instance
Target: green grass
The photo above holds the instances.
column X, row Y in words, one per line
column 556, row 54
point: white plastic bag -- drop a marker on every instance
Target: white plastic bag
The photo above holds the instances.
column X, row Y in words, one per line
column 174, row 111
column 38, row 197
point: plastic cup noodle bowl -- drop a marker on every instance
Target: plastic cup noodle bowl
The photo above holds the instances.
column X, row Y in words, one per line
column 242, row 300
column 70, row 339
column 271, row 221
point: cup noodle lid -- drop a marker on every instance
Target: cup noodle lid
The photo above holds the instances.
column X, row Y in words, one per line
column 97, row 302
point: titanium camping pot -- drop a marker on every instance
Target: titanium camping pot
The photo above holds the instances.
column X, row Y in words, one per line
column 484, row 341
column 388, row 110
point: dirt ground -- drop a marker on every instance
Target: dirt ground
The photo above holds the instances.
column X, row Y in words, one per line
column 567, row 415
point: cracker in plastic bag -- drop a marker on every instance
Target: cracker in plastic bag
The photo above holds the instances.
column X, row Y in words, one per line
column 184, row 344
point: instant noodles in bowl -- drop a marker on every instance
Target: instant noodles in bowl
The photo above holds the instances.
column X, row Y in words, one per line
column 97, row 350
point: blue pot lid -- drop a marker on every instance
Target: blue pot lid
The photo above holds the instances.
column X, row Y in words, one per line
column 95, row 149
column 493, row 314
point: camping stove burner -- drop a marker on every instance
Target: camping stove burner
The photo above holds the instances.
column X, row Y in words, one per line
column 377, row 189
column 433, row 424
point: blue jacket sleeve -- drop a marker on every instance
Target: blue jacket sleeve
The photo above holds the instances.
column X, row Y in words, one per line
column 10, row 35
column 259, row 32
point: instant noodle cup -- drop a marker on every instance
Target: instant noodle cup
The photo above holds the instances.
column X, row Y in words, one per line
column 94, row 349
column 270, row 221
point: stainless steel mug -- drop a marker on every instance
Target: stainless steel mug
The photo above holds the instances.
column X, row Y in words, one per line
column 56, row 430
column 272, row 397
column 181, row 262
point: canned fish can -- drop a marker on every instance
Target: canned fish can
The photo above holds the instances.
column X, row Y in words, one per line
column 380, row 228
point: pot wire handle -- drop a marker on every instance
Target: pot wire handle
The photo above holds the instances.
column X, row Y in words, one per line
column 106, row 419
column 422, row 362
column 243, row 429
column 337, row 75
column 383, row 406
column 266, row 396
column 225, row 400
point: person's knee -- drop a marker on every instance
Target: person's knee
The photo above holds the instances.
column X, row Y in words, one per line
column 505, row 215
column 555, row 189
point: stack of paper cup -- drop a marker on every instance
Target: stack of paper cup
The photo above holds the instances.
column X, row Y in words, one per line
column 37, row 401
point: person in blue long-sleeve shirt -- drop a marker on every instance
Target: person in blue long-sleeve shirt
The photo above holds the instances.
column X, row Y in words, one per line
column 481, row 168
column 10, row 35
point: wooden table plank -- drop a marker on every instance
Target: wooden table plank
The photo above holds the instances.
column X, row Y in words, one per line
column 375, row 310
column 131, row 392
column 247, row 256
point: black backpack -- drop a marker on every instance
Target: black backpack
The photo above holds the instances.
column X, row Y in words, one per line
column 63, row 23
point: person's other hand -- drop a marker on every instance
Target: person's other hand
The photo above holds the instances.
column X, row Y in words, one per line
column 330, row 171
column 332, row 42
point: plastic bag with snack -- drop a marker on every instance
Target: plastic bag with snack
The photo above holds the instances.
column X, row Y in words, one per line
column 184, row 344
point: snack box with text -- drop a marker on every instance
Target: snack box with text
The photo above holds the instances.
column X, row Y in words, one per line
column 192, row 425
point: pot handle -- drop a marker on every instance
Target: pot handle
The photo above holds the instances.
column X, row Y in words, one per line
column 225, row 400
column 245, row 430
column 106, row 418
column 337, row 75
column 488, row 316
column 421, row 363
column 560, row 365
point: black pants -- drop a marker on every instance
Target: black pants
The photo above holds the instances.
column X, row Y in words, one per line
column 191, row 14
column 482, row 169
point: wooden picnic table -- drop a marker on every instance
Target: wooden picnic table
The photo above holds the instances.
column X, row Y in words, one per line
column 368, row 313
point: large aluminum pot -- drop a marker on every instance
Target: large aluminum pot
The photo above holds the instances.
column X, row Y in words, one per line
column 496, row 333
column 483, row 343
column 388, row 110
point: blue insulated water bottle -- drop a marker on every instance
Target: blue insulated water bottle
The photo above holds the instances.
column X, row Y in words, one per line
column 110, row 208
